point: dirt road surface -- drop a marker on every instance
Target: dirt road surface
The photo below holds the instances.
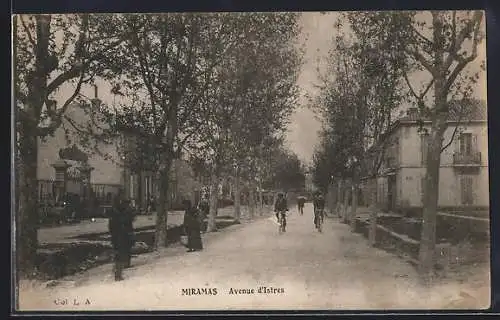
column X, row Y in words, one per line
column 302, row 269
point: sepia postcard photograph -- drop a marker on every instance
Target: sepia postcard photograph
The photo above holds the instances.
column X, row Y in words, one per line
column 250, row 161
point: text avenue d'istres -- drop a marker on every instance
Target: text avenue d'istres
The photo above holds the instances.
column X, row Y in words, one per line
column 231, row 291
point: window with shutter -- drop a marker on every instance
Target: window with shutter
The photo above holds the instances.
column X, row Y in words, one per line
column 466, row 143
column 132, row 186
column 466, row 190
column 424, row 141
column 41, row 191
column 148, row 187
column 422, row 188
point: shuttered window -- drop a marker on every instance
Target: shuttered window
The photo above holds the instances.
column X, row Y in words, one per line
column 465, row 143
column 148, row 187
column 466, row 190
column 132, row 186
column 424, row 141
column 422, row 188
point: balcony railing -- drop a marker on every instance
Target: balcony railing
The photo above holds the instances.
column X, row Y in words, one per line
column 463, row 159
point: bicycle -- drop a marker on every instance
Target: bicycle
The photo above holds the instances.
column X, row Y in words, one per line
column 282, row 222
column 319, row 219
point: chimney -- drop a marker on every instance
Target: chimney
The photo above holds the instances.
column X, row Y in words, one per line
column 96, row 96
column 412, row 113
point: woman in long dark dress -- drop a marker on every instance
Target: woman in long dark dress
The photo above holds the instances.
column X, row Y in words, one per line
column 192, row 227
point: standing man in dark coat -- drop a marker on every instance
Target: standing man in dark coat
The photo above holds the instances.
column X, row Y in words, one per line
column 121, row 230
column 192, row 227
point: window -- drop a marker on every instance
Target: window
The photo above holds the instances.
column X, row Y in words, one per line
column 466, row 190
column 465, row 143
column 41, row 192
column 132, row 186
column 422, row 188
column 148, row 187
column 424, row 143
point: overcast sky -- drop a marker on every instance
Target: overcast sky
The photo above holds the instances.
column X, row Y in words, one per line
column 317, row 32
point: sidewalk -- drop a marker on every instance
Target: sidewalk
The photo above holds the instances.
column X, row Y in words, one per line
column 68, row 233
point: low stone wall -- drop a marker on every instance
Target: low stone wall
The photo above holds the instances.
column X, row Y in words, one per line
column 447, row 253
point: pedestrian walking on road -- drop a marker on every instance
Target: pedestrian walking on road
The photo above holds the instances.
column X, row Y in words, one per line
column 122, row 234
column 300, row 203
column 192, row 226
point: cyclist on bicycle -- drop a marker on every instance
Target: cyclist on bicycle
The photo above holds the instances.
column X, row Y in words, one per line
column 280, row 206
column 319, row 207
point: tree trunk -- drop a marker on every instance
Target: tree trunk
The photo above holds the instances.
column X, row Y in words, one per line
column 27, row 216
column 339, row 199
column 261, row 201
column 214, row 186
column 237, row 197
column 346, row 203
column 331, row 197
column 251, row 201
column 162, row 205
column 431, row 198
column 431, row 191
column 373, row 215
column 354, row 205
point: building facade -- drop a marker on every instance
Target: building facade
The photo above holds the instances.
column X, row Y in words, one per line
column 67, row 163
column 463, row 176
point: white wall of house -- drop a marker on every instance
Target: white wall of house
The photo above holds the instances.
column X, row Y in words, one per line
column 412, row 171
column 411, row 143
column 450, row 187
column 105, row 171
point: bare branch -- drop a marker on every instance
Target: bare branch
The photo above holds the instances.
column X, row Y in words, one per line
column 75, row 70
column 28, row 32
column 56, row 118
column 427, row 41
column 422, row 94
column 471, row 26
column 464, row 61
column 451, row 139
column 425, row 63
column 462, row 107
